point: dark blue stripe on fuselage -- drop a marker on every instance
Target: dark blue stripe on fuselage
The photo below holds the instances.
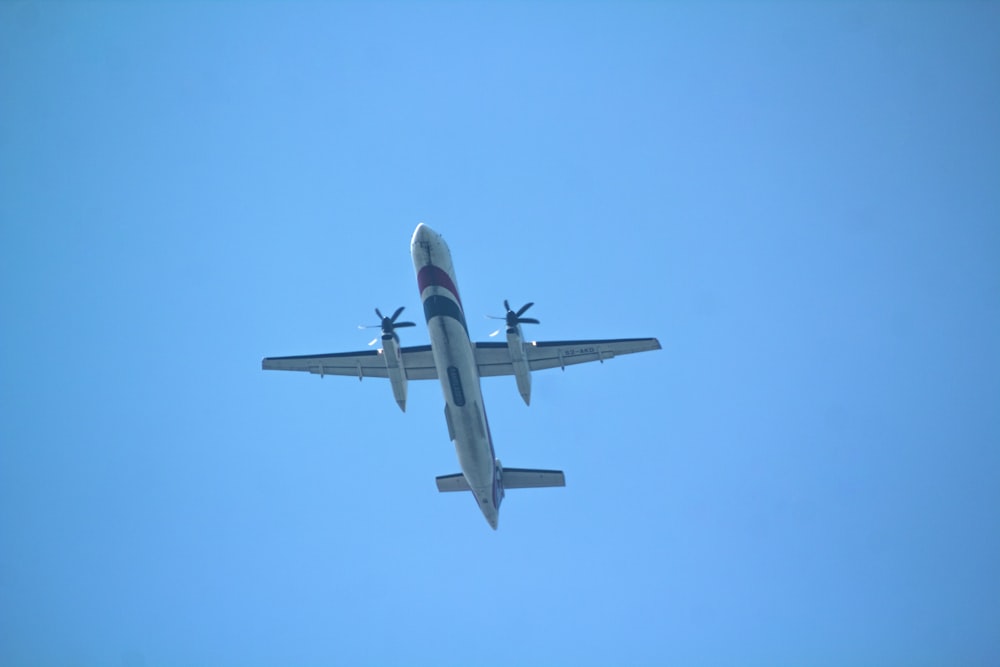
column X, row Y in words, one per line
column 442, row 306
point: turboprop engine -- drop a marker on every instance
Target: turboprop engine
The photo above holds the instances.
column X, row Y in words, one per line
column 515, row 346
column 391, row 353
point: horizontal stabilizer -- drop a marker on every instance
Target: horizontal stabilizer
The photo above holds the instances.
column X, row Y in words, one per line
column 528, row 478
column 452, row 483
column 513, row 478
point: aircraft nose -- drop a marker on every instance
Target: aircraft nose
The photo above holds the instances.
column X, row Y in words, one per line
column 422, row 234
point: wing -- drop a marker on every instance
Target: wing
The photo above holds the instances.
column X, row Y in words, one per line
column 494, row 359
column 417, row 361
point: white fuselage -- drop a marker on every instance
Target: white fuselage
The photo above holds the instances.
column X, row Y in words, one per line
column 454, row 357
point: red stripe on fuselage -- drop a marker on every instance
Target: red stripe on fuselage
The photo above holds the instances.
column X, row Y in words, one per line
column 435, row 276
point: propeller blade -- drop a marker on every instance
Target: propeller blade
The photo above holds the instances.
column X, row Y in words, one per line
column 388, row 325
column 524, row 308
column 374, row 340
column 527, row 320
column 493, row 335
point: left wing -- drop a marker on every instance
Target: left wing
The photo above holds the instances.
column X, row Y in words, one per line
column 494, row 359
column 418, row 362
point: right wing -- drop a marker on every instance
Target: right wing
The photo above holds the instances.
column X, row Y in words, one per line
column 418, row 362
column 494, row 358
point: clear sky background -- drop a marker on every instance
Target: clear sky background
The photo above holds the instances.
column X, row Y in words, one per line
column 802, row 201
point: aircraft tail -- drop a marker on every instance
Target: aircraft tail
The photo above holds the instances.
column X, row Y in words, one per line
column 530, row 478
column 454, row 482
column 513, row 478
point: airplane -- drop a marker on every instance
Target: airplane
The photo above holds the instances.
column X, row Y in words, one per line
column 459, row 364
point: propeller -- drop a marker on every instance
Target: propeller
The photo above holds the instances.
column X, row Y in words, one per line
column 514, row 318
column 388, row 324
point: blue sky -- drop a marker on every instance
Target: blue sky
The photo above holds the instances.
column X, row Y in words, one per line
column 799, row 200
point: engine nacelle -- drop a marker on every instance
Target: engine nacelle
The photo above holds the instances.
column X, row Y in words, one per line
column 394, row 365
column 519, row 360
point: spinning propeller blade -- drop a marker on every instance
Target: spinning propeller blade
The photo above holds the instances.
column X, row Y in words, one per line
column 513, row 318
column 388, row 325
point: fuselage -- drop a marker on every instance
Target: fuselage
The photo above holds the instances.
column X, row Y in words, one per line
column 454, row 357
